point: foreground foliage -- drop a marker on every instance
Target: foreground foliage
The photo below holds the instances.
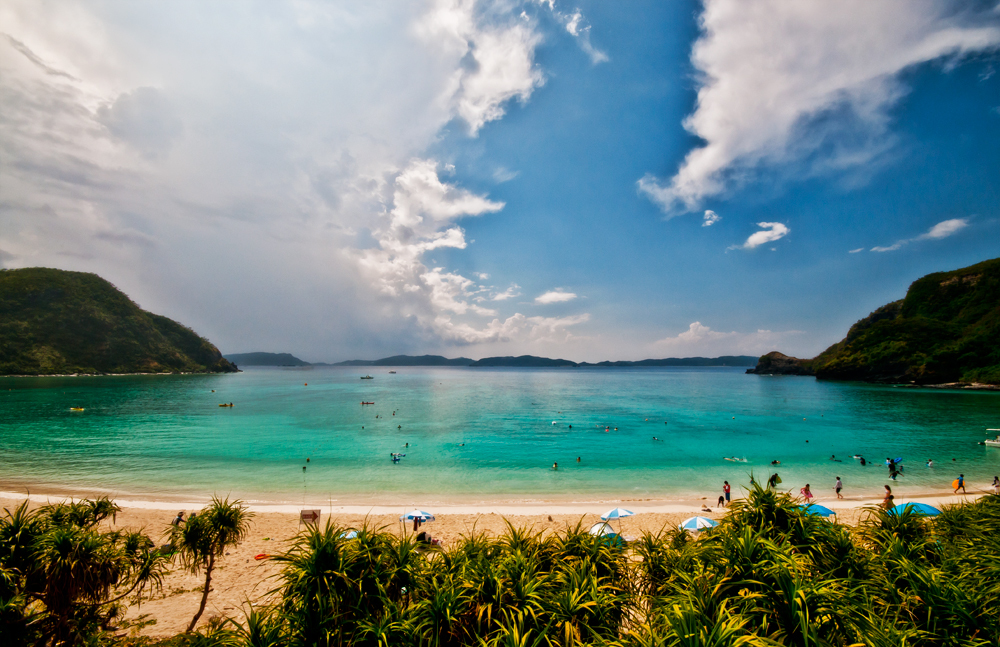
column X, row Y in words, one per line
column 769, row 575
column 63, row 580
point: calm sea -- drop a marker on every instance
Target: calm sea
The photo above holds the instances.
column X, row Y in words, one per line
column 480, row 434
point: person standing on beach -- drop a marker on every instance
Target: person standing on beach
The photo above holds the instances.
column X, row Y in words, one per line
column 806, row 494
column 887, row 499
column 961, row 484
column 837, row 487
column 996, row 485
column 773, row 481
column 726, row 490
column 179, row 519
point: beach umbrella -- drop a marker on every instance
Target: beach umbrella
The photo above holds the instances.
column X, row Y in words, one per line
column 918, row 508
column 349, row 534
column 698, row 523
column 418, row 515
column 818, row 510
column 617, row 513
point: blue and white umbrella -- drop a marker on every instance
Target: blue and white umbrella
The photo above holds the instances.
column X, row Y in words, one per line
column 698, row 523
column 916, row 508
column 349, row 534
column 419, row 515
column 617, row 513
column 817, row 510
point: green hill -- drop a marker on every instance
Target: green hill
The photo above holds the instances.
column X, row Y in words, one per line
column 946, row 329
column 54, row 321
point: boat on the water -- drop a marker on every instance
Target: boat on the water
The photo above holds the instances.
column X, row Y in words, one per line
column 735, row 459
column 993, row 442
column 367, row 377
column 392, row 372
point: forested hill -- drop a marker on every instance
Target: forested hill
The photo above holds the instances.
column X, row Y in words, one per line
column 946, row 329
column 58, row 322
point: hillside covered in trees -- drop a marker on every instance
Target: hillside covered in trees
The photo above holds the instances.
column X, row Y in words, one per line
column 946, row 329
column 58, row 322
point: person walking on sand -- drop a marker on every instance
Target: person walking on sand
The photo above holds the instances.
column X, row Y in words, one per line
column 837, row 487
column 960, row 485
column 806, row 494
column 887, row 499
column 726, row 490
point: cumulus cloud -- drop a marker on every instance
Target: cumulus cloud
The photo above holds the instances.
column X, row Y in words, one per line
column 781, row 81
column 710, row 218
column 555, row 296
column 159, row 144
column 700, row 339
column 943, row 229
column 498, row 59
column 770, row 232
column 510, row 293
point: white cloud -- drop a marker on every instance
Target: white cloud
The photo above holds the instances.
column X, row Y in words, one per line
column 782, row 80
column 944, row 229
column 941, row 230
column 555, row 296
column 500, row 59
column 700, row 340
column 710, row 218
column 577, row 27
column 509, row 293
column 770, row 232
column 855, row 251
column 159, row 144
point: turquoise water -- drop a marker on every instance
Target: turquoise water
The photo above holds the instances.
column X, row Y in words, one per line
column 479, row 434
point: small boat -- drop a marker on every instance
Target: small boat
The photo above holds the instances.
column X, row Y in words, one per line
column 992, row 442
column 392, row 372
column 363, row 402
column 736, row 460
column 367, row 377
column 226, row 405
column 76, row 408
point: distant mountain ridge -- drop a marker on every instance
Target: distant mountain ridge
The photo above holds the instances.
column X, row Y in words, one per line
column 59, row 322
column 265, row 359
column 533, row 361
column 945, row 330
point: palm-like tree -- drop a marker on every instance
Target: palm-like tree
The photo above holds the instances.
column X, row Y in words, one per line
column 204, row 538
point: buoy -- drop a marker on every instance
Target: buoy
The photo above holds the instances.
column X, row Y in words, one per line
column 306, row 384
column 307, row 460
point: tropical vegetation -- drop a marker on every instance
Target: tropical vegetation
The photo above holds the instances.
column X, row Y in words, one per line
column 769, row 574
column 946, row 329
column 58, row 322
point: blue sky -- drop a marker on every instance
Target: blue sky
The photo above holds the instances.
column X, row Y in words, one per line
column 592, row 180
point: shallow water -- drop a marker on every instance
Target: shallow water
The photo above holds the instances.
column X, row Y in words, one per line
column 480, row 434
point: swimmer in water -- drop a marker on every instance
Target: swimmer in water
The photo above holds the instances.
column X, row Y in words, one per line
column 775, row 462
column 555, row 466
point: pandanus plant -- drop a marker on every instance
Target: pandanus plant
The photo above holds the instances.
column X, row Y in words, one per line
column 206, row 536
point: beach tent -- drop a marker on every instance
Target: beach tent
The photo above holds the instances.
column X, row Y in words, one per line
column 601, row 529
column 817, row 510
column 916, row 508
column 698, row 523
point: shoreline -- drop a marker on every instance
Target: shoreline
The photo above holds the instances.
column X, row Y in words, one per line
column 503, row 506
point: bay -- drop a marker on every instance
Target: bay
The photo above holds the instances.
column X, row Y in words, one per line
column 479, row 434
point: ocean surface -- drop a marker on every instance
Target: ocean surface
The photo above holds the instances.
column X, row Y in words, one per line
column 480, row 434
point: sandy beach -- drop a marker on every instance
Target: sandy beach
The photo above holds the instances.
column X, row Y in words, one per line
column 240, row 578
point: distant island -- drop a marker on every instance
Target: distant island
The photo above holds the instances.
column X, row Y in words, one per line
column 523, row 361
column 946, row 330
column 56, row 322
column 265, row 359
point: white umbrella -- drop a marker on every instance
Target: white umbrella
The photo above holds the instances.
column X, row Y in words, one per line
column 698, row 523
column 617, row 513
column 419, row 515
